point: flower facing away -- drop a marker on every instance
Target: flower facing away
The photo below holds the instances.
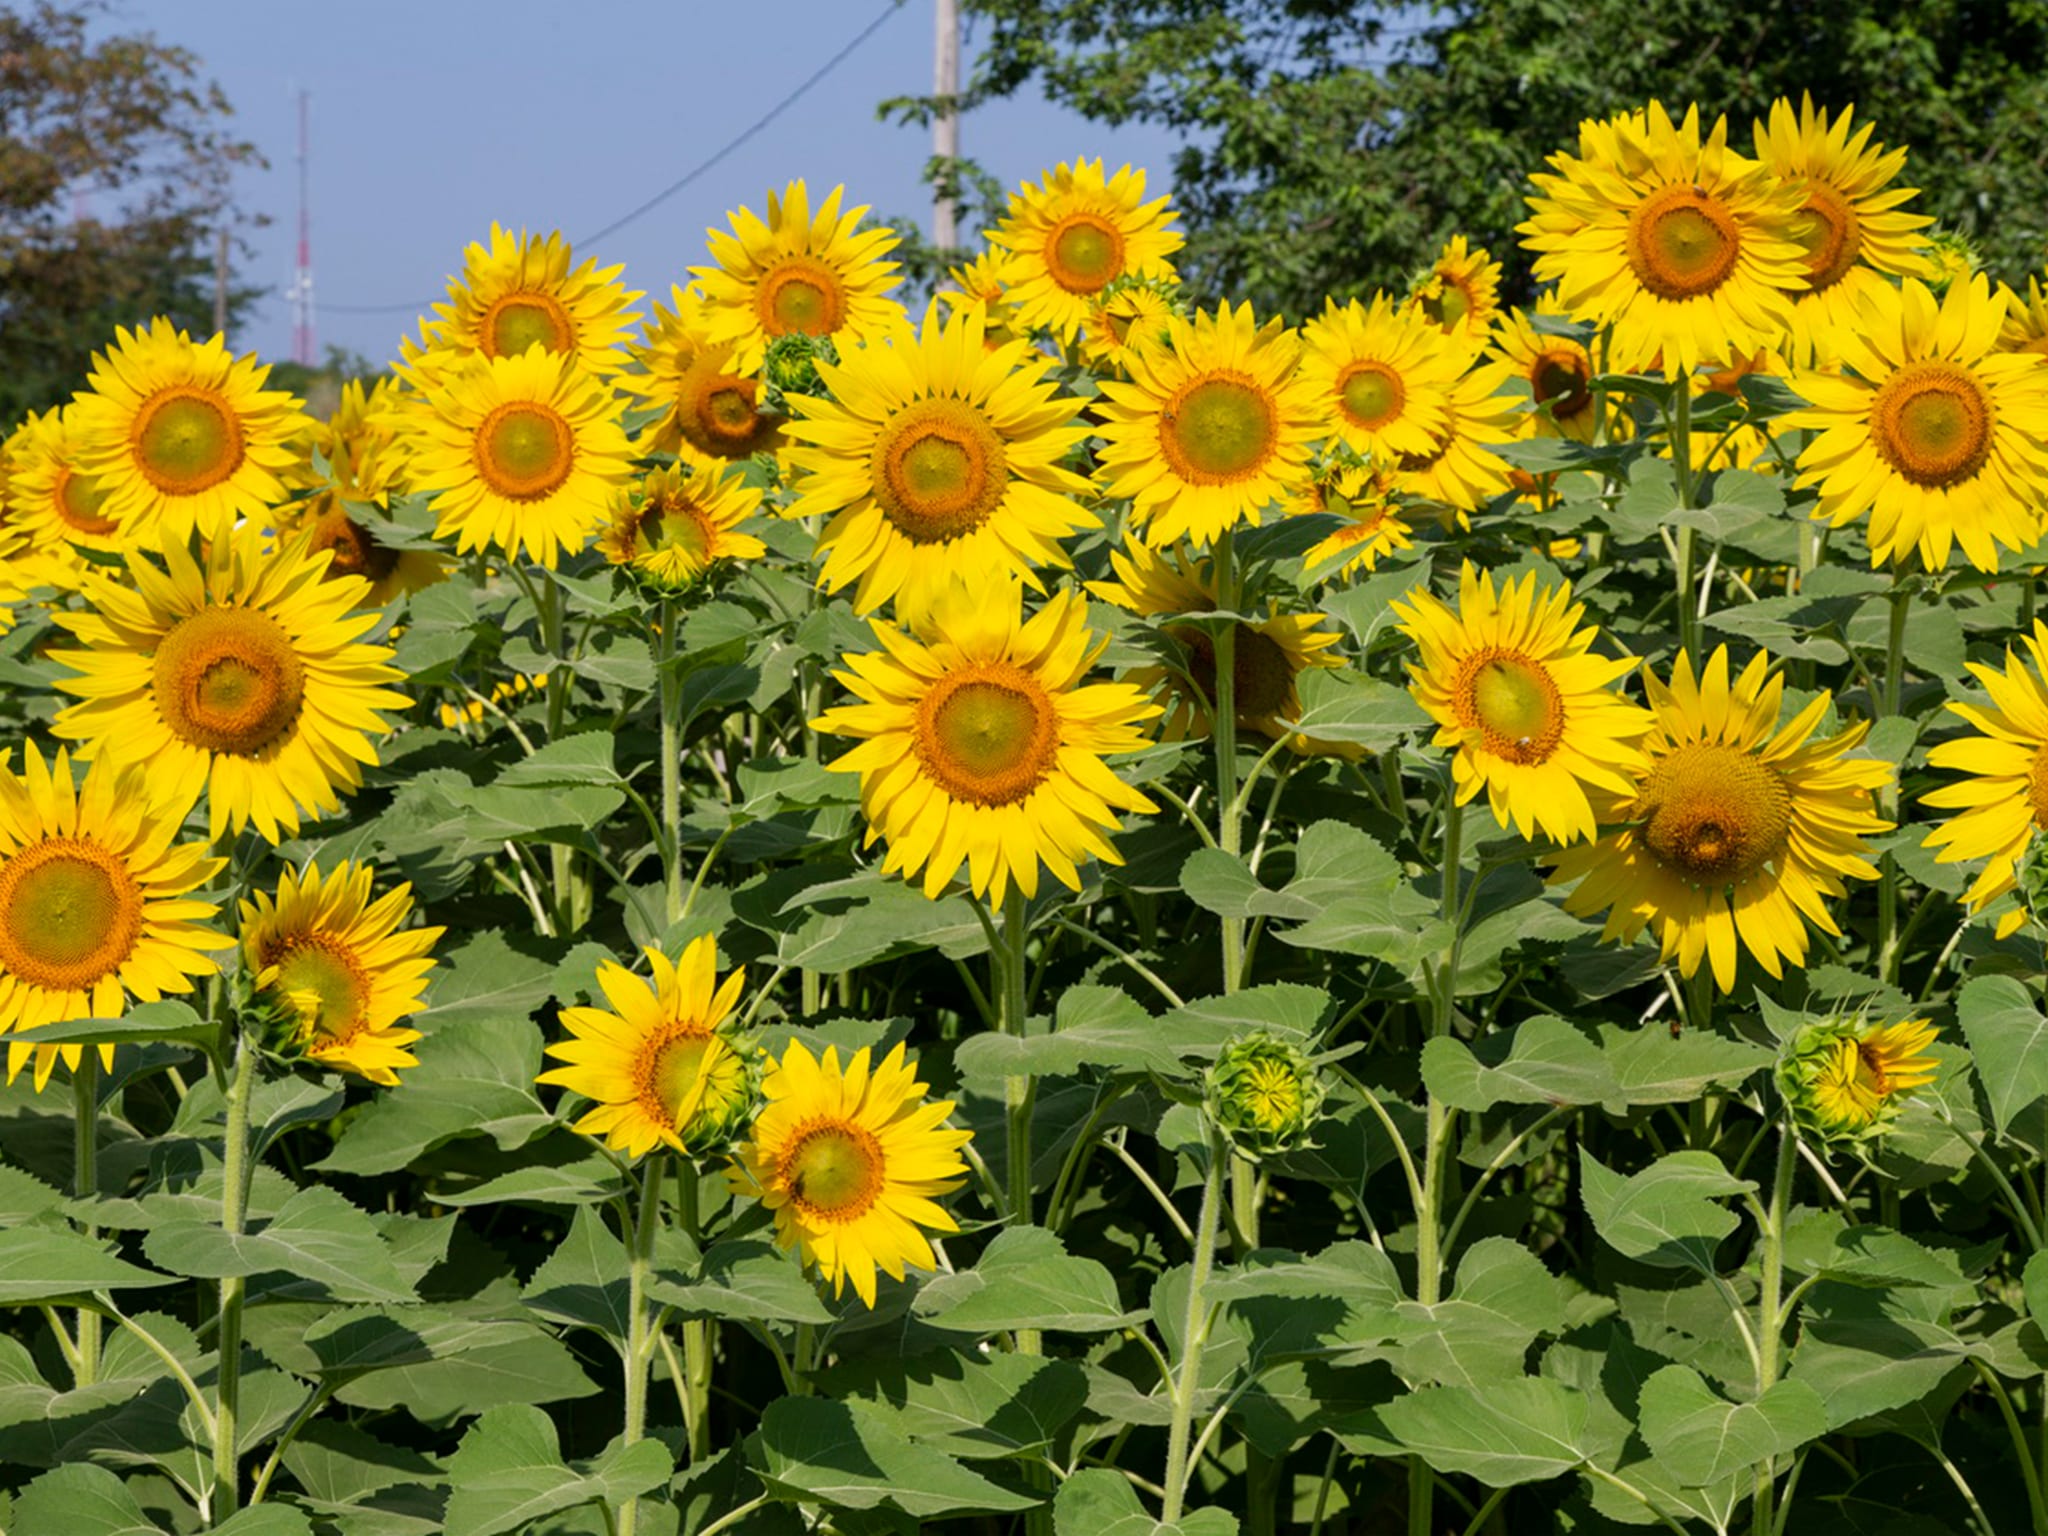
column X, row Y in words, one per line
column 340, row 969
column 1737, row 829
column 662, row 1067
column 242, row 678
column 1072, row 235
column 96, row 903
column 980, row 745
column 1460, row 293
column 849, row 1160
column 1265, row 1094
column 1530, row 711
column 676, row 524
column 1846, row 1080
column 523, row 291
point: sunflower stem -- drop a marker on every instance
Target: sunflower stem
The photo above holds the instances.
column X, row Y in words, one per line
column 1888, row 946
column 699, row 1336
column 1008, row 957
column 1194, row 1332
column 85, row 1185
column 1229, row 823
column 1680, row 420
column 234, row 1211
column 670, row 690
column 639, row 1335
column 1771, row 1309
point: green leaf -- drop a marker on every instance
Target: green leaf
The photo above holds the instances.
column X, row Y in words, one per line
column 24, row 1197
column 585, row 758
column 1700, row 1437
column 1098, row 1502
column 80, row 1500
column 517, row 1363
column 1862, row 1366
column 1665, row 1215
column 1093, row 1027
column 584, row 1280
column 1822, row 1244
column 337, row 1463
column 1544, row 1060
column 266, row 1520
column 1330, row 861
column 317, row 1238
column 2034, row 1280
column 1504, row 1300
column 167, row 1022
column 744, row 1278
column 850, row 1455
column 973, row 1409
column 509, row 1471
column 39, row 1264
column 2009, row 1039
column 1514, row 1431
column 1026, row 1279
column 1340, row 705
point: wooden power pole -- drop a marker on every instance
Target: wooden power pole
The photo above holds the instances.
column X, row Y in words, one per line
column 946, row 123
column 220, row 281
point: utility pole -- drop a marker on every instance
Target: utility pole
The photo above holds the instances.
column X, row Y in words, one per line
column 302, row 274
column 946, row 123
column 220, row 282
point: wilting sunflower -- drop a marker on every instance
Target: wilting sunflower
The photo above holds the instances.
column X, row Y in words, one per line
column 1073, row 235
column 710, row 413
column 95, row 899
column 1845, row 1080
column 935, row 458
column 1737, row 828
column 815, row 274
column 1122, row 319
column 1363, row 495
column 1558, row 371
column 341, row 969
column 1850, row 224
column 980, row 745
column 522, row 454
column 242, row 677
column 849, row 1160
column 661, row 1067
column 1213, row 427
column 677, row 523
column 176, row 434
column 54, row 507
column 1460, row 470
column 525, row 290
column 1512, row 683
column 1382, row 376
column 2004, row 801
column 1460, row 293
column 1934, row 435
column 1684, row 246
column 2026, row 320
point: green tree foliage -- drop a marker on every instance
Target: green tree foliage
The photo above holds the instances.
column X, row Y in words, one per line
column 114, row 171
column 1332, row 146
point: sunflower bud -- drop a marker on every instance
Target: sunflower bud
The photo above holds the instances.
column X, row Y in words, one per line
column 1954, row 259
column 1846, row 1079
column 1265, row 1094
column 791, row 368
column 724, row 1096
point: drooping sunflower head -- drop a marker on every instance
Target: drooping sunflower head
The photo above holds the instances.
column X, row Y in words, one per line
column 798, row 271
column 850, row 1159
column 676, row 523
column 711, row 413
column 1460, row 293
column 1363, row 495
column 1682, row 245
column 1846, row 1079
column 664, row 1065
column 528, row 290
column 1559, row 372
column 1073, row 234
column 1382, row 374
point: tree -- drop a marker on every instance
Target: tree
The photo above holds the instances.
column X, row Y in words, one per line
column 124, row 119
column 1332, row 146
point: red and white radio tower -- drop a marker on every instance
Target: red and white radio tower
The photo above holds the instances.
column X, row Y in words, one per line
column 302, row 274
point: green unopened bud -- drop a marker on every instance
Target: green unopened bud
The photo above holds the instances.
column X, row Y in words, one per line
column 723, row 1096
column 1846, row 1079
column 1265, row 1094
column 1954, row 258
column 791, row 368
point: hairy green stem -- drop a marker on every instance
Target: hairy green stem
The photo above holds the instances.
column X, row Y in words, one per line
column 1888, row 945
column 234, row 1211
column 1194, row 1332
column 1681, row 473
column 1771, row 1310
column 1229, row 822
column 639, row 1349
column 85, row 1185
column 669, row 690
column 2037, row 1503
column 700, row 1338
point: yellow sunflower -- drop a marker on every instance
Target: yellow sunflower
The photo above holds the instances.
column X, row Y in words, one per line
column 2004, row 801
column 526, row 290
column 472, row 711
column 1213, row 427
column 2026, row 320
column 661, row 1067
column 1460, row 294
column 1558, row 371
column 1857, row 1078
column 1514, row 688
column 242, row 677
column 53, row 507
column 1850, row 225
column 849, row 1160
column 677, row 523
column 980, row 745
column 344, row 968
column 1074, row 234
column 1122, row 319
column 1932, row 433
column 1459, row 469
column 176, row 434
column 95, row 899
column 1382, row 376
column 1364, row 496
column 935, row 458
column 798, row 273
column 710, row 412
column 1737, row 828
column 522, row 454
column 984, row 281
column 1685, row 247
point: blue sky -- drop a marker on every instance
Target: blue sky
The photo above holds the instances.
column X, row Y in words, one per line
column 432, row 118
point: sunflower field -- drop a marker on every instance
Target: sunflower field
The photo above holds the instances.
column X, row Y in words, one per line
column 1078, row 912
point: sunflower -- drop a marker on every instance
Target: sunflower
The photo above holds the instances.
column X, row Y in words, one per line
column 1845, row 1080
column 1685, row 247
column 1459, row 469
column 54, row 508
column 1123, row 318
column 849, row 1160
column 1382, row 376
column 1512, row 684
column 2026, row 320
column 1073, row 235
column 676, row 523
column 1559, row 373
column 1853, row 230
column 710, row 413
column 984, row 282
column 342, row 968
column 95, row 899
column 1213, row 427
column 934, row 457
column 1936, row 436
column 798, row 272
column 664, row 1069
column 1460, row 294
column 1363, row 495
column 522, row 454
column 1736, row 829
column 2004, row 802
column 1741, row 447
column 241, row 677
column 978, row 747
column 525, row 291
column 1266, row 657
column 472, row 711
column 176, row 434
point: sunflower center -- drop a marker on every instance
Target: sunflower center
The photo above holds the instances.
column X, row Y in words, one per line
column 1272, row 1092
column 228, row 680
column 1512, row 701
column 677, row 524
column 1371, row 394
column 1682, row 242
column 187, row 440
column 1830, row 233
column 1562, row 381
column 521, row 320
column 1217, row 429
column 70, row 913
column 1447, row 303
column 525, row 450
column 987, row 734
column 1713, row 814
column 354, row 548
column 672, row 1072
column 322, row 967
column 801, row 294
column 1084, row 253
column 835, row 1170
column 1261, row 675
column 1932, row 423
column 78, row 501
column 939, row 470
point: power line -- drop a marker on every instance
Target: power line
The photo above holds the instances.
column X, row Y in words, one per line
column 669, row 191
